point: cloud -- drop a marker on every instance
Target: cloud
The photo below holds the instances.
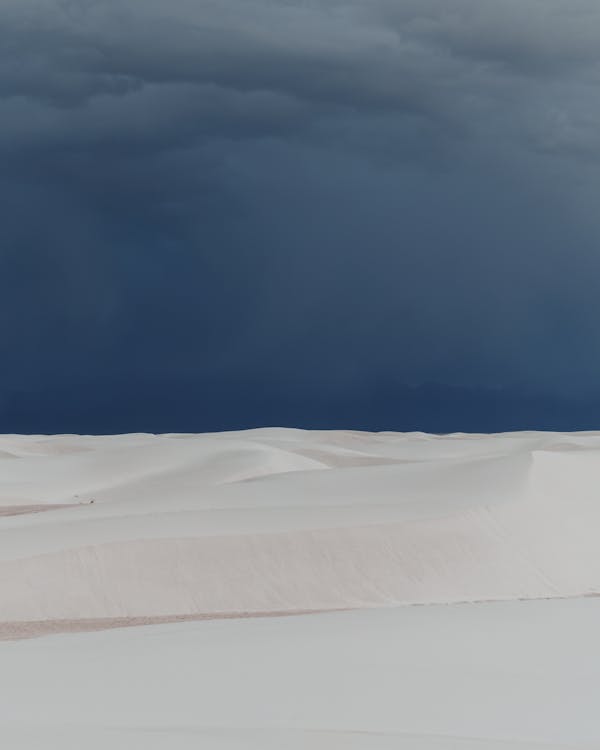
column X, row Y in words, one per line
column 105, row 68
column 324, row 194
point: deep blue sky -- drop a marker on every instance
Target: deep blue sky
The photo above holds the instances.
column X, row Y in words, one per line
column 378, row 214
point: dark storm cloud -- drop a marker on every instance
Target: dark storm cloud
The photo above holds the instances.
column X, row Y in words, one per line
column 331, row 196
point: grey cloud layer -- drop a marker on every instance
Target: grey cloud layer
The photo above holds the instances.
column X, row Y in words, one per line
column 168, row 74
column 351, row 187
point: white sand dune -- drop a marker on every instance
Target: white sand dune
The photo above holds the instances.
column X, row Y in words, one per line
column 286, row 520
column 166, row 529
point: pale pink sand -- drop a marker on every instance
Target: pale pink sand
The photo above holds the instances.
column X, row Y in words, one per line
column 14, row 631
column 19, row 510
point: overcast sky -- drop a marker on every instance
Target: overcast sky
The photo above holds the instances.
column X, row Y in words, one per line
column 233, row 212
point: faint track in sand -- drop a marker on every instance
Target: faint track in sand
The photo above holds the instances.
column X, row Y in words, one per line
column 14, row 631
column 24, row 629
column 21, row 510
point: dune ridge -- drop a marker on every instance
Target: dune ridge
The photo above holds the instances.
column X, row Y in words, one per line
column 274, row 520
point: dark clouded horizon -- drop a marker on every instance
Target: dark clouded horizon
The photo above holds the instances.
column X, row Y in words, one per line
column 377, row 213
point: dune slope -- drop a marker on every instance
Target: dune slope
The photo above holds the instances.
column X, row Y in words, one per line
column 275, row 521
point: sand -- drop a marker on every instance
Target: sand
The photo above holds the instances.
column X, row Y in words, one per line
column 19, row 510
column 511, row 675
column 15, row 631
column 188, row 550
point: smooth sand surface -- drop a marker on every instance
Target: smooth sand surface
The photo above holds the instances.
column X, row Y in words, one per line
column 210, row 539
column 511, row 675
